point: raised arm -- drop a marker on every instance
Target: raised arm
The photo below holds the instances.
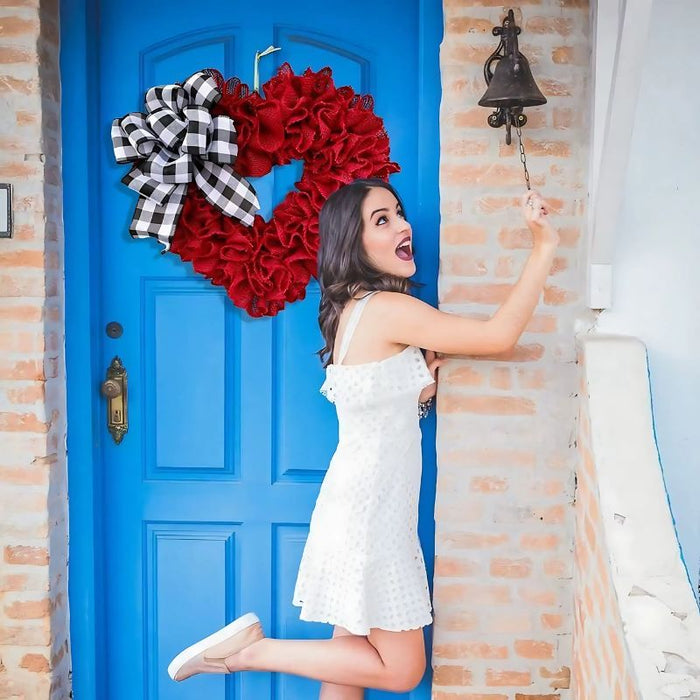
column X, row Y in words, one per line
column 413, row 322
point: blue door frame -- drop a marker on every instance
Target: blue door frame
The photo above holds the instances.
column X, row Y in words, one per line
column 79, row 21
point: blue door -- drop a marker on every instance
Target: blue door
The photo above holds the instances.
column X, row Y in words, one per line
column 201, row 512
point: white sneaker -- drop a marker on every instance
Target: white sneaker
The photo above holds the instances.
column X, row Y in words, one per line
column 208, row 655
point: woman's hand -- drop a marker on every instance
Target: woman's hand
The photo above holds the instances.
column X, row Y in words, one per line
column 535, row 211
column 433, row 362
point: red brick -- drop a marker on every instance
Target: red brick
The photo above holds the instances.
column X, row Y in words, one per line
column 550, row 25
column 500, row 378
column 510, row 623
column 539, row 542
column 551, row 621
column 554, row 88
column 446, row 566
column 511, row 568
column 21, row 554
column 558, row 296
column 465, row 147
column 487, row 405
column 18, row 26
column 16, row 54
column 25, row 636
column 22, row 422
column 13, row 582
column 457, row 620
column 463, row 265
column 474, row 594
column 463, row 234
column 494, row 174
column 442, row 695
column 25, row 286
column 37, row 663
column 21, row 369
column 559, row 677
column 493, row 457
column 452, row 675
column 487, row 3
column 565, row 118
column 532, row 649
column 488, row 484
column 21, row 342
column 22, row 258
column 553, row 149
column 24, row 118
column 494, row 677
column 464, row 54
column 469, row 25
column 24, row 475
column 22, row 312
column 463, row 376
column 8, row 84
column 30, row 609
column 470, row 650
column 474, row 540
column 536, row 596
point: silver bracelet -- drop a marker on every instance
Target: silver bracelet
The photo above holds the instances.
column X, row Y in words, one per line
column 424, row 407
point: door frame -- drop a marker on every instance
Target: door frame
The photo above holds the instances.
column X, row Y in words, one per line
column 79, row 22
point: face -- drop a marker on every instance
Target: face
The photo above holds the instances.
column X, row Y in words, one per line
column 386, row 235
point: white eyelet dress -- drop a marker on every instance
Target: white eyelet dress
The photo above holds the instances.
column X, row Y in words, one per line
column 362, row 564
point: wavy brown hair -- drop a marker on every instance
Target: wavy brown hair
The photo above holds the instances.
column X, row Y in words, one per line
column 343, row 266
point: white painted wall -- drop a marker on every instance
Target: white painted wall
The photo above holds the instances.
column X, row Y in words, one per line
column 656, row 264
column 660, row 617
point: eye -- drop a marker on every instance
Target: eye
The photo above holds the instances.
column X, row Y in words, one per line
column 383, row 217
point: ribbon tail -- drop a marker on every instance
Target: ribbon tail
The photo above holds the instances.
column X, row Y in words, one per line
column 153, row 220
column 227, row 191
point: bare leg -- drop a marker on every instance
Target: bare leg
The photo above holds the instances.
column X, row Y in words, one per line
column 332, row 691
column 386, row 660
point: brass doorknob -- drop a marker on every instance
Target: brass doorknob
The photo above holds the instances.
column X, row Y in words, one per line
column 111, row 388
column 114, row 388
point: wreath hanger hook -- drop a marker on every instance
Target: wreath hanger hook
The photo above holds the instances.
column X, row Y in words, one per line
column 258, row 56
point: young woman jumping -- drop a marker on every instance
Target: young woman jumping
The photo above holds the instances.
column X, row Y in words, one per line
column 362, row 568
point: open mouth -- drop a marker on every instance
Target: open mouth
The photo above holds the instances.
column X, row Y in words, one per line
column 404, row 250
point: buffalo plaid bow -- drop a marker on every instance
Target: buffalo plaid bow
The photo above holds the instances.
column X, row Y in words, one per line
column 176, row 142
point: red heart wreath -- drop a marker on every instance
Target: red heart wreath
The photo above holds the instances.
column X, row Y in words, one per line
column 338, row 137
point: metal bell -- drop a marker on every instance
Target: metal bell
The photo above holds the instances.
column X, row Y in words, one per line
column 510, row 87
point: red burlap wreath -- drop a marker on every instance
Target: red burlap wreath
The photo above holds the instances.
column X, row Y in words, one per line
column 338, row 137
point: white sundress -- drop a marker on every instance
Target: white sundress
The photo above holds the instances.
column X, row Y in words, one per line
column 362, row 564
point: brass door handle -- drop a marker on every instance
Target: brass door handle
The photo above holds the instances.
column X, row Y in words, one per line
column 114, row 389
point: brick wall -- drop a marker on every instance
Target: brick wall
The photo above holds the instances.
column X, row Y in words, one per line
column 33, row 529
column 602, row 666
column 507, row 425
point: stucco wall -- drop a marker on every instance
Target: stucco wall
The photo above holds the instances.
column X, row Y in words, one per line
column 656, row 285
column 34, row 662
column 636, row 622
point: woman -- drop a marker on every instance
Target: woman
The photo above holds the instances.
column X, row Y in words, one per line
column 362, row 568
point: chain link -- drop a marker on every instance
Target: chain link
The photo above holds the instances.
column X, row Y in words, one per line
column 522, row 156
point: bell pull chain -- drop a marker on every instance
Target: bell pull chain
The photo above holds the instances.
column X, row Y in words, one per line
column 522, row 156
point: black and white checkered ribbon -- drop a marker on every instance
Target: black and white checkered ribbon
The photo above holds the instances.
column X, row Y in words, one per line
column 175, row 142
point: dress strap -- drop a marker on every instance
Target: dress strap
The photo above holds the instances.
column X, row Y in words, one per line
column 352, row 324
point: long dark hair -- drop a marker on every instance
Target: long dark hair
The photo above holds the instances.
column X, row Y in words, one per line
column 343, row 266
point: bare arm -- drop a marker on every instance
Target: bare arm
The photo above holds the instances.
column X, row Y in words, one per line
column 515, row 312
column 410, row 321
